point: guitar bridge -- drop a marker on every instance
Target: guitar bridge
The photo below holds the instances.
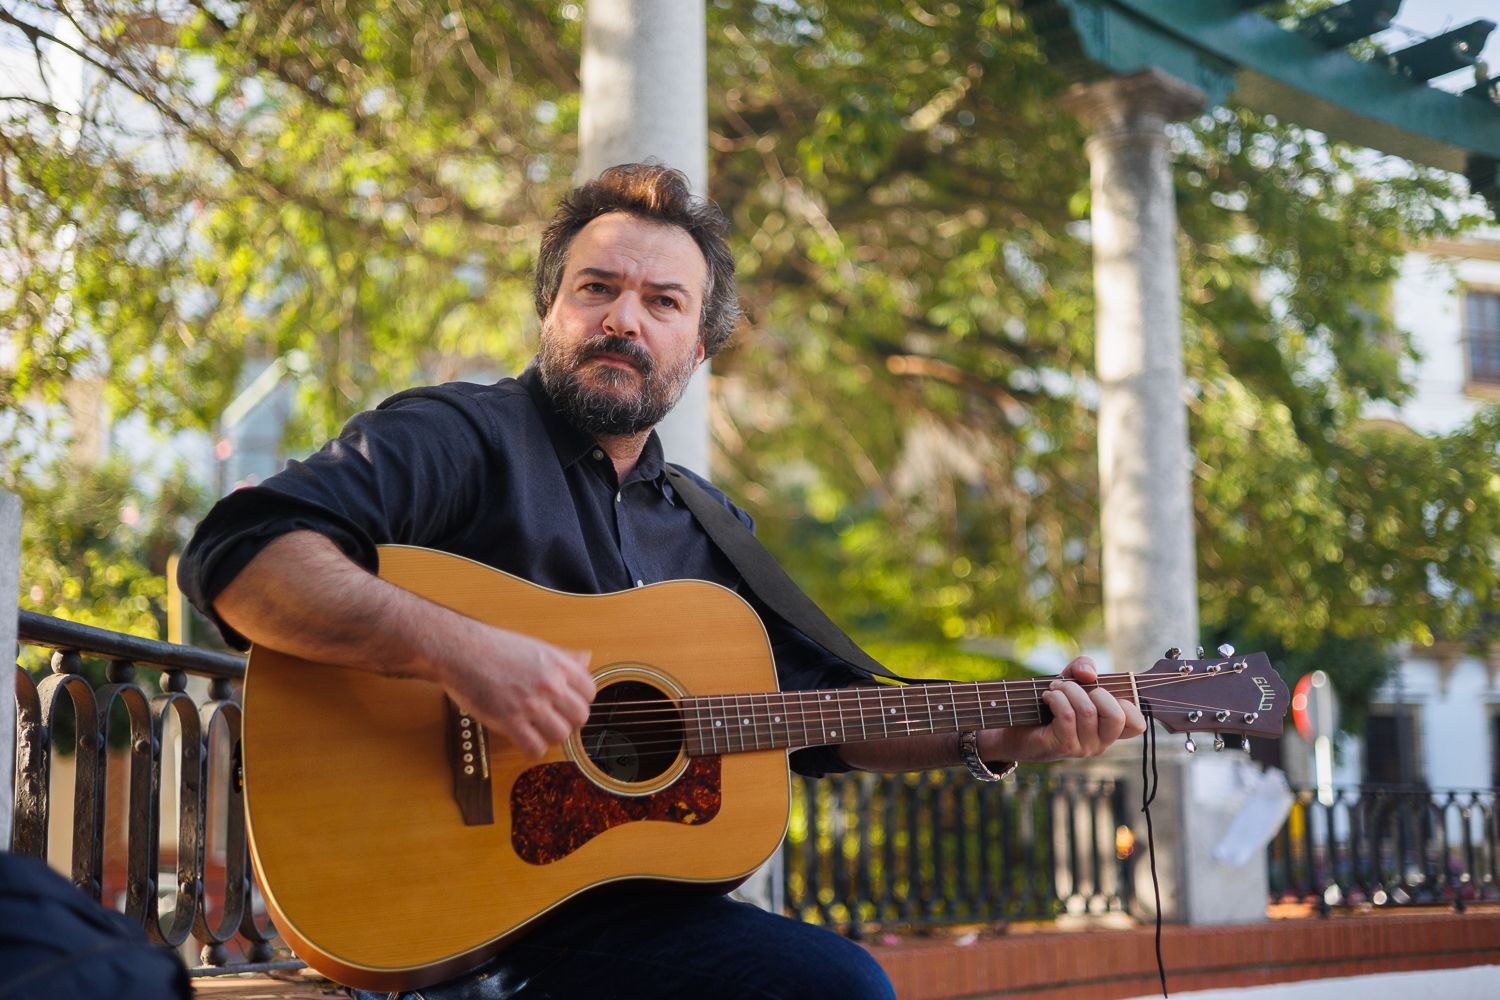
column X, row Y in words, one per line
column 468, row 756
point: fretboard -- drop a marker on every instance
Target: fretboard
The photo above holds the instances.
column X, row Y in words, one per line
column 730, row 723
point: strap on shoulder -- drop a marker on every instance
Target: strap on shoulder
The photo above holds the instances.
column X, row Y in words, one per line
column 765, row 577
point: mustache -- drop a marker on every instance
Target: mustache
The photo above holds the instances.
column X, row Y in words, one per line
column 623, row 347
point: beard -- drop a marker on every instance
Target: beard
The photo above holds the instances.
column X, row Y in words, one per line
column 604, row 399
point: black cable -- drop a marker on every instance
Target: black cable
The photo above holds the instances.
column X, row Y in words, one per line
column 1148, row 795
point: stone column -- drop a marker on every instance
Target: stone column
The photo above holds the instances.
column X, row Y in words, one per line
column 1145, row 466
column 644, row 96
column 1145, row 471
column 10, row 578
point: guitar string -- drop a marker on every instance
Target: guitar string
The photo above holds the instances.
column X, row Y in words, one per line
column 809, row 703
column 753, row 724
column 711, row 739
column 701, row 709
column 1114, row 683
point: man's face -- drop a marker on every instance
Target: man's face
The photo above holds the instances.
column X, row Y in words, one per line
column 622, row 337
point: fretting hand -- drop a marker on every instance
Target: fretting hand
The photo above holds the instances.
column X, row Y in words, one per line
column 1086, row 720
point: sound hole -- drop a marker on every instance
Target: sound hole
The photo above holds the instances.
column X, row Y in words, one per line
column 634, row 732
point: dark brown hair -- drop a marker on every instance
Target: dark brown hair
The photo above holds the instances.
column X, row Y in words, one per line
column 656, row 193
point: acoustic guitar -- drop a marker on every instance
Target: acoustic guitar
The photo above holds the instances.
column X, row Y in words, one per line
column 397, row 844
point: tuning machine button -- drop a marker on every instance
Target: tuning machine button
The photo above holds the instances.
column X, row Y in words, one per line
column 1226, row 650
column 1190, row 746
column 1219, row 743
column 1174, row 653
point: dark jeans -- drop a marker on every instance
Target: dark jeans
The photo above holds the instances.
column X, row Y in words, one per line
column 648, row 944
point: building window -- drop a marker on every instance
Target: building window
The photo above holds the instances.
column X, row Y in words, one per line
column 1392, row 746
column 1495, row 747
column 1482, row 335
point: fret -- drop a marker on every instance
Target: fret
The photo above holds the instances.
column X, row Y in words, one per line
column 804, row 717
column 1010, row 715
column 725, row 723
column 953, row 697
column 880, row 700
column 715, row 725
column 693, row 706
column 860, row 704
column 741, row 722
column 927, row 698
column 777, row 718
column 830, row 732
column 754, row 722
column 979, row 703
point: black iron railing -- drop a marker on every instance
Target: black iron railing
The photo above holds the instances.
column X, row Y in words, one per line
column 1388, row 845
column 183, row 875
column 937, row 848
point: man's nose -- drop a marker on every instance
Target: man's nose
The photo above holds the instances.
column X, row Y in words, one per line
column 624, row 316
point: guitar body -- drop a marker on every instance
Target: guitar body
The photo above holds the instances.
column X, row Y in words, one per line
column 368, row 866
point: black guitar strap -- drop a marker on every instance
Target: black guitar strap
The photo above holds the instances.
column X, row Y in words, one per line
column 765, row 577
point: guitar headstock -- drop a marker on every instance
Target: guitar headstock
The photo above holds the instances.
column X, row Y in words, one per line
column 1239, row 693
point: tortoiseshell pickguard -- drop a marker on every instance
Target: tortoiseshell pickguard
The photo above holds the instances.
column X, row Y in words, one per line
column 555, row 809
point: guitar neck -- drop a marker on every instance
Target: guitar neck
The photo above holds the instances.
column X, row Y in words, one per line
column 720, row 724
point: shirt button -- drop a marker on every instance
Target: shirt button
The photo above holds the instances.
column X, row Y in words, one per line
column 598, row 453
column 640, row 583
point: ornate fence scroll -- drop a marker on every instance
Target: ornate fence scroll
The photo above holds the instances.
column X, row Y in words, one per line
column 157, row 819
column 1389, row 845
column 912, row 850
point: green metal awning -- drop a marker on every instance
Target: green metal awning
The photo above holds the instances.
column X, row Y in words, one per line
column 1236, row 55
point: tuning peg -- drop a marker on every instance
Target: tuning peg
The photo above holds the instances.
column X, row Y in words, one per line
column 1200, row 652
column 1245, row 745
column 1218, row 742
column 1174, row 653
column 1190, row 746
column 1226, row 650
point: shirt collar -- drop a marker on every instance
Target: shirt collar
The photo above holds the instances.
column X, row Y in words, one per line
column 572, row 445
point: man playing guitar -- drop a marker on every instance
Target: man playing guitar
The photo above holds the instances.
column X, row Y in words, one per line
column 558, row 477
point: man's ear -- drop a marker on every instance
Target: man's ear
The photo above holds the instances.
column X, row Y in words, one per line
column 702, row 353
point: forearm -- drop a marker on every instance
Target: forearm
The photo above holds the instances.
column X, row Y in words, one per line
column 910, row 753
column 301, row 595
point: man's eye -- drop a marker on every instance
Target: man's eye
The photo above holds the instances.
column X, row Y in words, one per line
column 667, row 302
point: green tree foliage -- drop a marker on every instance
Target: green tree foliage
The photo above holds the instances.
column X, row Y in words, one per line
column 910, row 411
column 913, row 403
column 96, row 544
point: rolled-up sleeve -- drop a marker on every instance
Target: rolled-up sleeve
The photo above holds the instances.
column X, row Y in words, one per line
column 401, row 473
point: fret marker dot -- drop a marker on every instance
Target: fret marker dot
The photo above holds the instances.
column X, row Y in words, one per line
column 893, row 711
column 833, row 732
column 744, row 722
column 940, row 708
column 828, row 697
column 777, row 719
column 993, row 704
column 718, row 722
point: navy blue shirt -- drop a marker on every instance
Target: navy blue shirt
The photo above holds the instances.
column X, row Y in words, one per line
column 496, row 474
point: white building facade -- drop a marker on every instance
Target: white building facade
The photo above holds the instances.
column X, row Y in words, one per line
column 1437, row 721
